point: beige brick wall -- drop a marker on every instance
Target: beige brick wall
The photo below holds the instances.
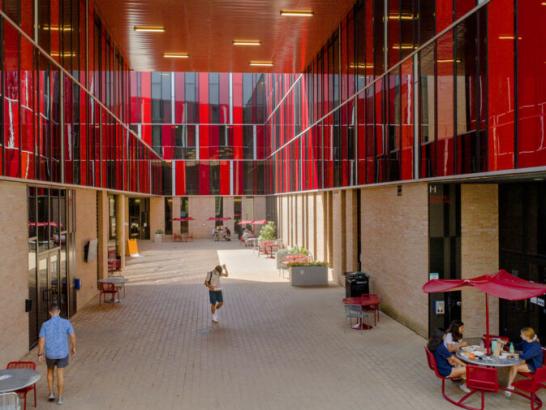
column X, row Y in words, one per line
column 351, row 231
column 86, row 229
column 395, row 250
column 13, row 271
column 157, row 215
column 201, row 208
column 338, row 236
column 479, row 252
column 103, row 233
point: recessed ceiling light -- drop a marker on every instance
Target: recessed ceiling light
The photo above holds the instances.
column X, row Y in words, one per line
column 297, row 13
column 150, row 29
column 250, row 43
column 64, row 54
column 403, row 17
column 403, row 46
column 509, row 38
column 176, row 55
column 448, row 60
column 360, row 66
column 261, row 64
column 57, row 28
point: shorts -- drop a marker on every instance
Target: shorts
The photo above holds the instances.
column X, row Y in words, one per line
column 215, row 297
column 59, row 363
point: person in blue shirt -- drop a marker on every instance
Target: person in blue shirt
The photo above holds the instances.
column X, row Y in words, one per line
column 54, row 336
column 447, row 364
column 531, row 355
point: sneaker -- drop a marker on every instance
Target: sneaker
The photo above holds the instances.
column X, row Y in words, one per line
column 60, row 400
column 51, row 397
column 508, row 392
column 215, row 318
column 464, row 388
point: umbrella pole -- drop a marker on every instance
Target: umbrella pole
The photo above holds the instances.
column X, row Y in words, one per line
column 487, row 338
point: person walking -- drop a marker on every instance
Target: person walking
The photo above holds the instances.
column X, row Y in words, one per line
column 212, row 282
column 53, row 339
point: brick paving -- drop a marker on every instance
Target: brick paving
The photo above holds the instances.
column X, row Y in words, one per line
column 277, row 347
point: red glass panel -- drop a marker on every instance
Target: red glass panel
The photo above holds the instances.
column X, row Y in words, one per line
column 531, row 84
column 500, row 82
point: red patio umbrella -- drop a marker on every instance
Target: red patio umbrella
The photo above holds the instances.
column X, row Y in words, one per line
column 185, row 219
column 501, row 284
column 259, row 222
column 246, row 222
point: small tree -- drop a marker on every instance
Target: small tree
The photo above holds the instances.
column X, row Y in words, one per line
column 268, row 232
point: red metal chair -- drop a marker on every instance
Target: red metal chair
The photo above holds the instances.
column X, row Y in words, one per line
column 528, row 388
column 530, row 375
column 481, row 379
column 108, row 289
column 431, row 360
column 23, row 392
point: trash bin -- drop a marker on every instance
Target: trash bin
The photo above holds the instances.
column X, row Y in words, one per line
column 356, row 284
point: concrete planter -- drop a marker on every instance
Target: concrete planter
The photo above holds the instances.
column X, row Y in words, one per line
column 309, row 275
column 158, row 237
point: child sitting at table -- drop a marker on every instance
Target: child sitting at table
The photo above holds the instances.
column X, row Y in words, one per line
column 447, row 364
column 531, row 355
column 453, row 339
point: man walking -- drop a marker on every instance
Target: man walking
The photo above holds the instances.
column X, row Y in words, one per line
column 212, row 282
column 54, row 336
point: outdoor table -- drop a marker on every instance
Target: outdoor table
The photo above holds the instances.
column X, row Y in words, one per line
column 118, row 281
column 502, row 364
column 16, row 379
column 368, row 300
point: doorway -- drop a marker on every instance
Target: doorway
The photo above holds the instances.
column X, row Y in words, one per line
column 51, row 236
column 139, row 218
column 522, row 246
column 444, row 252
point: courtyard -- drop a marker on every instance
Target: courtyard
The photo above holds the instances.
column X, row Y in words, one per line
column 276, row 346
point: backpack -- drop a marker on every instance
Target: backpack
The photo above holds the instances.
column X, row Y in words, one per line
column 208, row 281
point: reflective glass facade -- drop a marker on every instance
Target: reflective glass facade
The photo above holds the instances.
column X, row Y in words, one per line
column 415, row 89
column 402, row 90
column 65, row 101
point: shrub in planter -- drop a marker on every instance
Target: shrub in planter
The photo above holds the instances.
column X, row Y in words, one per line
column 158, row 237
column 298, row 251
column 268, row 232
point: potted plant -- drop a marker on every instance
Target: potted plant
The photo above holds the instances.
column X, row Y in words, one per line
column 268, row 232
column 158, row 237
column 308, row 273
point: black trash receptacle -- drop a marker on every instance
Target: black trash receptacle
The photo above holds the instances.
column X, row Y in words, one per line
column 356, row 284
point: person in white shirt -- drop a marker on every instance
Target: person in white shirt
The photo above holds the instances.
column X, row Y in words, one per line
column 453, row 339
column 212, row 282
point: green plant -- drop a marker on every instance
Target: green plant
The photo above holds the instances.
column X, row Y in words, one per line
column 268, row 232
column 314, row 263
column 298, row 251
column 159, row 232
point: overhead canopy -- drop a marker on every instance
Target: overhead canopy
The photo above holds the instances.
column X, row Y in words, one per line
column 501, row 284
column 185, row 219
column 213, row 218
column 259, row 222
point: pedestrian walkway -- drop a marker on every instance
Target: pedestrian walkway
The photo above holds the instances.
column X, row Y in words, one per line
column 276, row 347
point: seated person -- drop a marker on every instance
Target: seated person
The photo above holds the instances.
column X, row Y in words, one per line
column 531, row 355
column 453, row 339
column 447, row 364
column 227, row 234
